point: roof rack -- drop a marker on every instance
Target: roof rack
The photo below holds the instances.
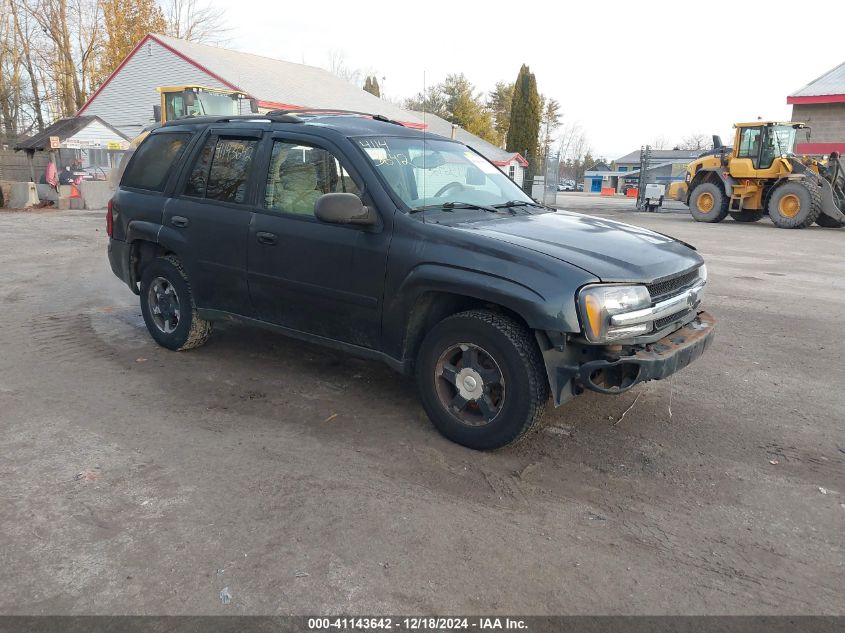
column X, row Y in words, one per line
column 332, row 111
column 274, row 117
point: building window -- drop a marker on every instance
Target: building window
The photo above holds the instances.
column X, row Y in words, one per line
column 512, row 172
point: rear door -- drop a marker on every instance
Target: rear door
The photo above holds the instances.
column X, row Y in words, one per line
column 212, row 213
column 310, row 276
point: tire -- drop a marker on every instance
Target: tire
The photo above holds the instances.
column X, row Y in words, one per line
column 795, row 205
column 500, row 353
column 708, row 203
column 746, row 216
column 163, row 279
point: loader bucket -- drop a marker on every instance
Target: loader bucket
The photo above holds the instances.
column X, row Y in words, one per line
column 833, row 190
column 677, row 191
column 830, row 208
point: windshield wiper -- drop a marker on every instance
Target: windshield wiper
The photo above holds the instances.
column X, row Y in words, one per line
column 450, row 206
column 517, row 203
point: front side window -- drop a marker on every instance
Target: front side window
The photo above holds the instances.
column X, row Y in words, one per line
column 424, row 172
column 221, row 170
column 299, row 174
column 152, row 162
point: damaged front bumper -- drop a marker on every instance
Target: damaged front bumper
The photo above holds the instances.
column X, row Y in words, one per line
column 617, row 370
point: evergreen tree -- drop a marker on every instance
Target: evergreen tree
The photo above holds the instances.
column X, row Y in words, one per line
column 371, row 86
column 499, row 102
column 524, row 128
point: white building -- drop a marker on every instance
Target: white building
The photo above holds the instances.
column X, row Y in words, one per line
column 126, row 98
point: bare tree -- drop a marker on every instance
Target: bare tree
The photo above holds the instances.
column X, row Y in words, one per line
column 694, row 141
column 337, row 66
column 661, row 142
column 196, row 21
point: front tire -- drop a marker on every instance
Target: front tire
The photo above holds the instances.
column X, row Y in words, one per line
column 708, row 203
column 168, row 307
column 481, row 379
column 795, row 205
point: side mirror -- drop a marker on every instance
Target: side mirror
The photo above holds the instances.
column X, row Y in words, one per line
column 189, row 96
column 253, row 106
column 717, row 141
column 343, row 208
column 157, row 113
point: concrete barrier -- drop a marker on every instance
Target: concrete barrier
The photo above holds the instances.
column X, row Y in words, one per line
column 23, row 195
column 47, row 192
column 96, row 193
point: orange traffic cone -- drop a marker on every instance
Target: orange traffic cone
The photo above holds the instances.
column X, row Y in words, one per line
column 74, row 192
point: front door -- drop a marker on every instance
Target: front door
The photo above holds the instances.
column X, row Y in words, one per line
column 213, row 214
column 306, row 275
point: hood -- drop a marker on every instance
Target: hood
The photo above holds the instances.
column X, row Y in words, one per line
column 612, row 251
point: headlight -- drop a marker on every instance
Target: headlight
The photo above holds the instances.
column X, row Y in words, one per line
column 600, row 302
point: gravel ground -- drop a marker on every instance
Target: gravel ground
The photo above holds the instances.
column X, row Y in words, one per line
column 138, row 480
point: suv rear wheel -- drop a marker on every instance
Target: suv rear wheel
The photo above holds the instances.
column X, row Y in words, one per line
column 168, row 306
column 481, row 379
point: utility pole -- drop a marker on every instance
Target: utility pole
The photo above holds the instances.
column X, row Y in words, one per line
column 645, row 159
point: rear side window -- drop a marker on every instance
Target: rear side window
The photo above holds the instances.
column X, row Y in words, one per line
column 222, row 168
column 153, row 161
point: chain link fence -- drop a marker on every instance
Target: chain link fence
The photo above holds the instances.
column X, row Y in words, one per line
column 551, row 177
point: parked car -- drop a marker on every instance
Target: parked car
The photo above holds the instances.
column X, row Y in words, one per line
column 579, row 186
column 360, row 234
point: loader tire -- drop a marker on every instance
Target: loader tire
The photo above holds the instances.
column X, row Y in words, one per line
column 795, row 205
column 746, row 216
column 708, row 203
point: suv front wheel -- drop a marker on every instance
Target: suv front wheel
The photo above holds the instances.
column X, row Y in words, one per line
column 481, row 379
column 168, row 306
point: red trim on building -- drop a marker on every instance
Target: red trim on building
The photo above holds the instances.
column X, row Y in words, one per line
column 112, row 75
column 819, row 148
column 140, row 44
column 275, row 105
column 815, row 99
column 517, row 157
column 228, row 84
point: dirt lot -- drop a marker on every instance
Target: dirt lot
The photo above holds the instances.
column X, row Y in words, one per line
column 137, row 480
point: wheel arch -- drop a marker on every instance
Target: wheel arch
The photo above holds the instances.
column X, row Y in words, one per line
column 148, row 241
column 433, row 292
column 715, row 176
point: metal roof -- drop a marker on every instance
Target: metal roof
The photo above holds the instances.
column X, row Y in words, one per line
column 63, row 128
column 491, row 152
column 830, row 83
column 662, row 155
column 280, row 84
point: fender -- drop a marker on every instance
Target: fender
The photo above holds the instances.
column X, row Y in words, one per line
column 538, row 311
column 707, row 174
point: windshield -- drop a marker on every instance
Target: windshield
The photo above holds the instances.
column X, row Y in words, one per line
column 437, row 172
column 781, row 138
column 205, row 103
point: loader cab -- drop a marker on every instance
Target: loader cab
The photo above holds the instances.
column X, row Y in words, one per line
column 758, row 145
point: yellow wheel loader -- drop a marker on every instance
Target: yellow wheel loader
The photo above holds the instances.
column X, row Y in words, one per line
column 760, row 175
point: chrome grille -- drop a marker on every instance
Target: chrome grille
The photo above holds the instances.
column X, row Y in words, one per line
column 667, row 286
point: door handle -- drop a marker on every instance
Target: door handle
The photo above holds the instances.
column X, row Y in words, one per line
column 178, row 220
column 266, row 238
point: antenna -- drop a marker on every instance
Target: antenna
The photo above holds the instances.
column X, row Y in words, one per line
column 425, row 127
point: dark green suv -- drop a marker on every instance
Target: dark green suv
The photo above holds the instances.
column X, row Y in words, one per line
column 358, row 233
